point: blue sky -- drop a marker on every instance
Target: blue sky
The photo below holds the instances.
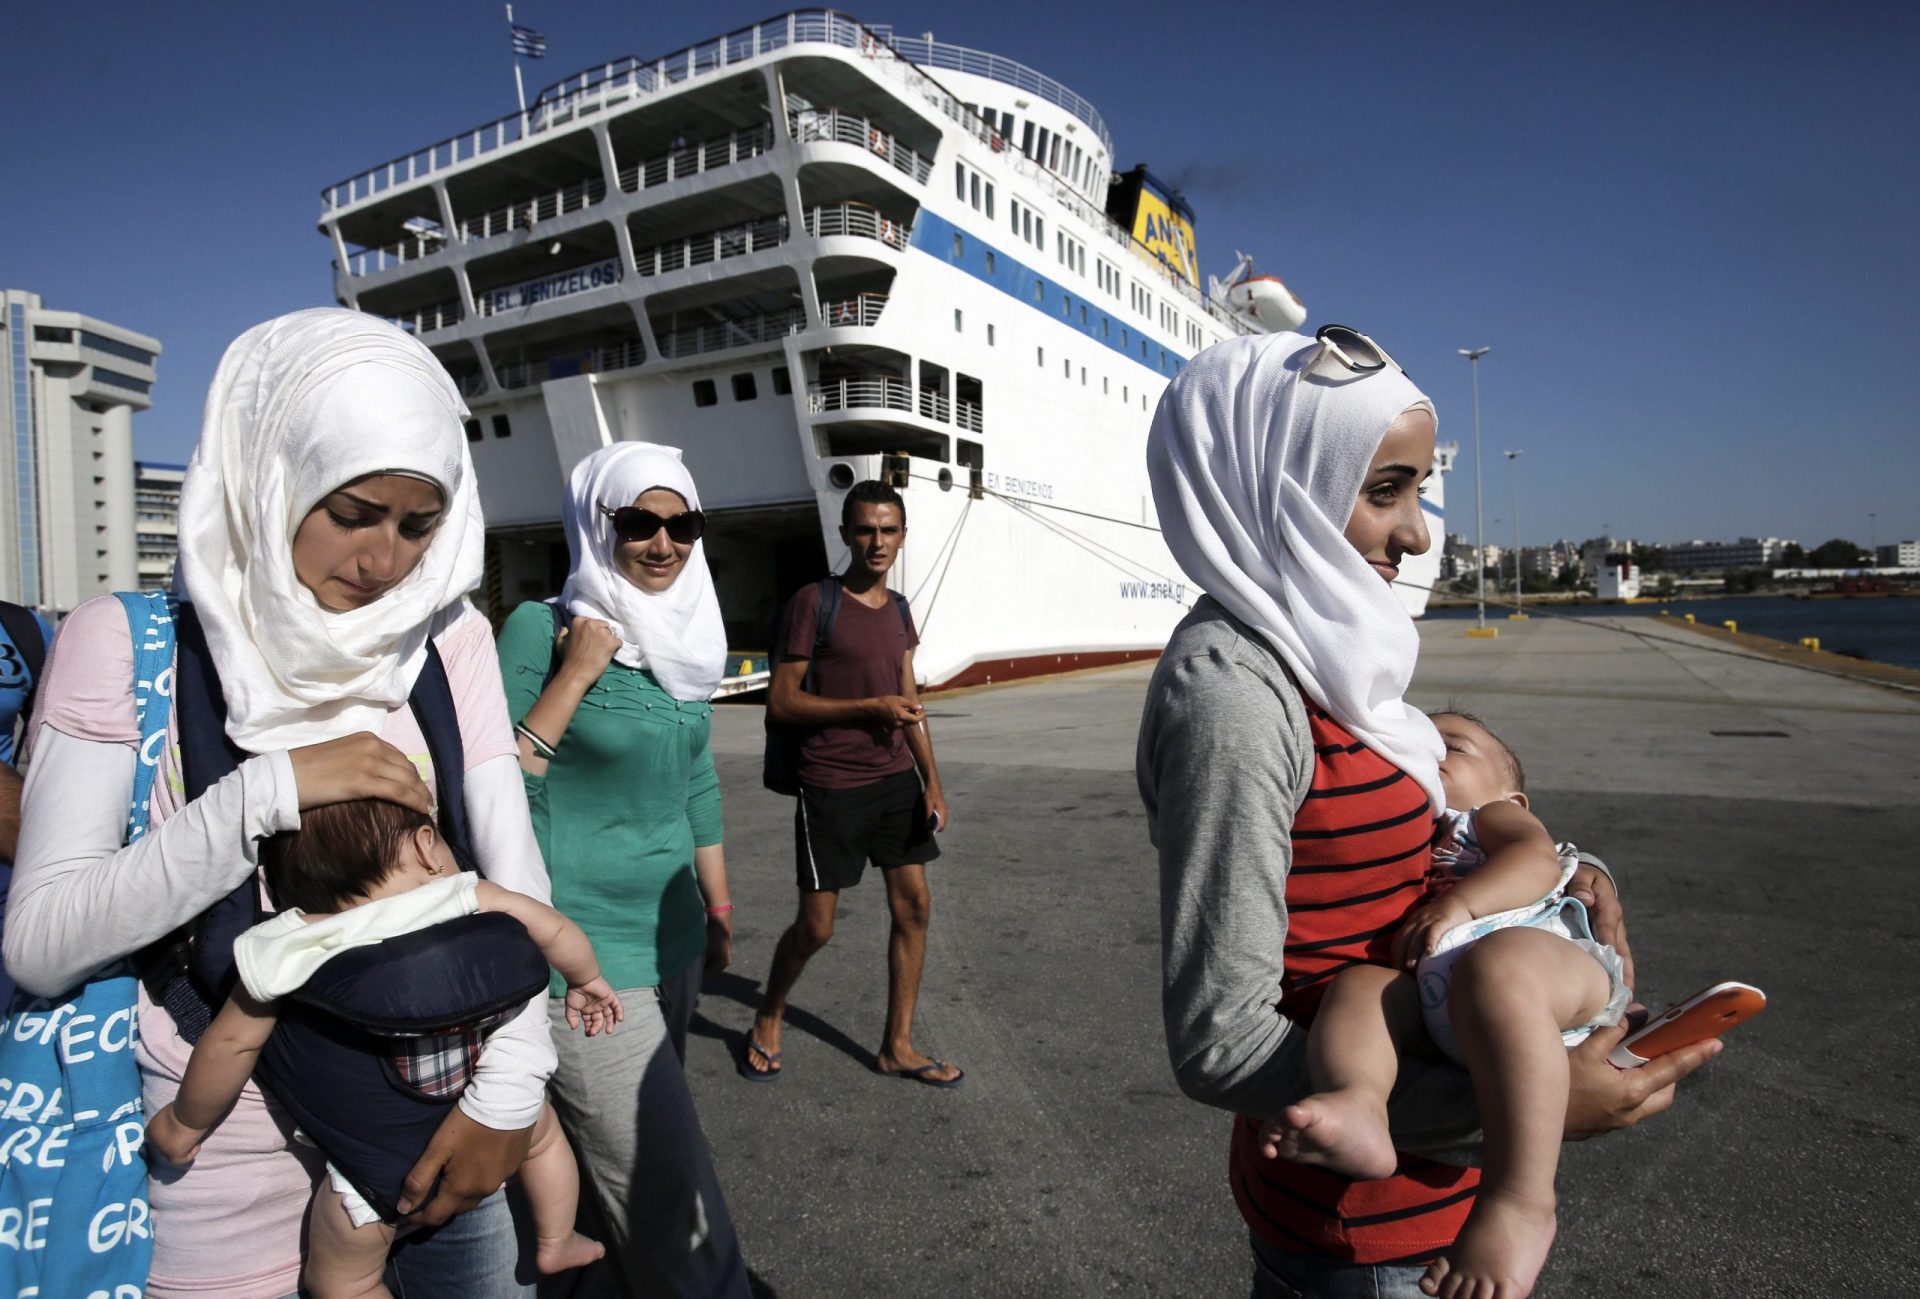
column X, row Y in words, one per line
column 1686, row 230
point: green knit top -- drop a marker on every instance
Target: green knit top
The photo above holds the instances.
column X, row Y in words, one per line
column 629, row 794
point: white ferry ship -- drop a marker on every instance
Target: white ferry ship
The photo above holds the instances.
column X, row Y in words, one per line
column 808, row 252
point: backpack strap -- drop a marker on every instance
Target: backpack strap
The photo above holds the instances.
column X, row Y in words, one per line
column 561, row 622
column 826, row 612
column 24, row 630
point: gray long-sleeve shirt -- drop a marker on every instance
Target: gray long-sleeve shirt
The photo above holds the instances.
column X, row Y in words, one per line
column 1225, row 759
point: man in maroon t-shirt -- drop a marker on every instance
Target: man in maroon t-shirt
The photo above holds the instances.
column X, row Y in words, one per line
column 861, row 797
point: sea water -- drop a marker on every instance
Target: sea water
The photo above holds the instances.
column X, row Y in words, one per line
column 1885, row 629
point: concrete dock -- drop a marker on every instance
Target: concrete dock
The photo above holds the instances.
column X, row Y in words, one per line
column 1764, row 823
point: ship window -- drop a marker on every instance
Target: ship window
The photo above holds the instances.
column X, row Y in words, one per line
column 959, row 246
column 1066, row 304
column 959, row 182
column 1039, row 290
column 782, row 381
column 989, row 200
column 502, row 429
column 1040, row 355
column 704, row 394
column 1006, row 124
column 1123, row 393
column 1066, row 368
column 1106, row 326
column 1026, row 139
column 1026, row 224
column 1039, row 232
column 1046, row 137
column 968, row 454
column 957, row 325
column 1083, row 376
column 989, row 335
column 473, row 430
column 1083, row 313
column 744, row 388
column 973, row 188
column 1106, row 385
column 989, row 262
column 1124, row 341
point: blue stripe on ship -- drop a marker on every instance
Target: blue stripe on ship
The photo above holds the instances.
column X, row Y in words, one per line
column 933, row 235
column 1433, row 509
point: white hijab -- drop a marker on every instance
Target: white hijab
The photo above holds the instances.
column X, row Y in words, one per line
column 676, row 634
column 1255, row 473
column 301, row 406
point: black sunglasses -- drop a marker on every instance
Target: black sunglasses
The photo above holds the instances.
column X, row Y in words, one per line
column 631, row 523
column 1352, row 349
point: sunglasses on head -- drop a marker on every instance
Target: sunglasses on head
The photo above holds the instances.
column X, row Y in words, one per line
column 1352, row 349
column 631, row 523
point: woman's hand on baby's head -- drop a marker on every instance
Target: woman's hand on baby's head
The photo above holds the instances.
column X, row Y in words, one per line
column 361, row 765
column 595, row 1006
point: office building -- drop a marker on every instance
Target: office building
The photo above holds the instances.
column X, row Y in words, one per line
column 70, row 386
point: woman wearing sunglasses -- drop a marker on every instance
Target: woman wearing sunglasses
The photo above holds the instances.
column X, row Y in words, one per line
column 1291, row 790
column 612, row 716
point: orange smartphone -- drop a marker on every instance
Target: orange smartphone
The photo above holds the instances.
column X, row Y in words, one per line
column 1707, row 1013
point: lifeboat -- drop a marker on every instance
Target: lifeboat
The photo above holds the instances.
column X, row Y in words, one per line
column 1262, row 302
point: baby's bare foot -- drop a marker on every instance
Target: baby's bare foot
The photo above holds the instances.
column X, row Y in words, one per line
column 1343, row 1131
column 1499, row 1253
column 565, row 1252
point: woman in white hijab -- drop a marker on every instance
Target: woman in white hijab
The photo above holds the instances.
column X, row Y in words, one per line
column 1290, row 790
column 613, row 718
column 329, row 531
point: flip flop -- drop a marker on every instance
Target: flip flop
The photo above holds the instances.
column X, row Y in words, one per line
column 920, row 1075
column 746, row 1070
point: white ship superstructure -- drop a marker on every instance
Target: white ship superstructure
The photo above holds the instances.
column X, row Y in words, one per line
column 811, row 252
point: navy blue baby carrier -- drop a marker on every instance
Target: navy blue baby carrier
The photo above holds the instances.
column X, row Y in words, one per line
column 330, row 1059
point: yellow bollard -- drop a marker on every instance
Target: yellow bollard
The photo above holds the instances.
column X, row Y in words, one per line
column 1810, row 642
column 1483, row 633
column 1519, row 617
column 1689, row 617
column 1731, row 625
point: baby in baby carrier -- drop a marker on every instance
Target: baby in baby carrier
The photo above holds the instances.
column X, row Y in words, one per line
column 370, row 1051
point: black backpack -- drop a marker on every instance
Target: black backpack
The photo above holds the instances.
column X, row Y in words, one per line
column 780, row 768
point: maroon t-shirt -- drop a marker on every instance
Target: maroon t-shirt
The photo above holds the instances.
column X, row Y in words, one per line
column 860, row 659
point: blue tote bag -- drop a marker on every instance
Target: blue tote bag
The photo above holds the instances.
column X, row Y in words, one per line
column 73, row 1180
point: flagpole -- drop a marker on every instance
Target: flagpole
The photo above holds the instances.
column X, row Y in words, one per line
column 519, row 86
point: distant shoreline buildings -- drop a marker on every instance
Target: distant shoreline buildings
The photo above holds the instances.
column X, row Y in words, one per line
column 70, row 387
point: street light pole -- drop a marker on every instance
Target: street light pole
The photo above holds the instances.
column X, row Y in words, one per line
column 1519, row 600
column 1473, row 356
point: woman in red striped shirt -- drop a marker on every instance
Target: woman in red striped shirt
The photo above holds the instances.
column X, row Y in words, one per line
column 1291, row 792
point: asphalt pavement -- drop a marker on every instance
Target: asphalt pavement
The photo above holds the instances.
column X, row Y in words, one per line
column 1763, row 822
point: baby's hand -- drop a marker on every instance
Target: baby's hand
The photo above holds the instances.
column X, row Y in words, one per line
column 594, row 1004
column 173, row 1140
column 1424, row 929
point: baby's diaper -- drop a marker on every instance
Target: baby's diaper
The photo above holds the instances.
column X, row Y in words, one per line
column 1555, row 913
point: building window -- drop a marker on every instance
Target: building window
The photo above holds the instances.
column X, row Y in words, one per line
column 118, row 380
column 473, row 430
column 744, row 388
column 502, row 429
column 51, row 334
column 782, row 382
column 704, row 393
column 114, row 347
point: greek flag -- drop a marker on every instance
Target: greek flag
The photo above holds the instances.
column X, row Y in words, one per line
column 527, row 43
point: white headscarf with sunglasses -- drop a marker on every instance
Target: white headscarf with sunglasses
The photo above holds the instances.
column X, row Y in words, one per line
column 676, row 634
column 1256, row 469
column 300, row 407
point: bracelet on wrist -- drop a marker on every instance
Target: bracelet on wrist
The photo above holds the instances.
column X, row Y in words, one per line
column 720, row 909
column 540, row 746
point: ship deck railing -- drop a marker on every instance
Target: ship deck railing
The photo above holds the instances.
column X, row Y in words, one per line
column 860, row 309
column 542, row 207
column 885, row 392
column 713, row 246
column 423, row 320
column 862, row 220
column 692, row 159
column 721, row 335
column 870, row 392
column 811, row 125
column 411, row 249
